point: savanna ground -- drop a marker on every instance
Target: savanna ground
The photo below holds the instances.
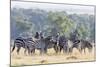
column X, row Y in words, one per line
column 51, row 57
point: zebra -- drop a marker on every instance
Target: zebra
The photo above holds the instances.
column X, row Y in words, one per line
column 50, row 43
column 26, row 43
column 60, row 43
column 80, row 45
column 30, row 46
column 63, row 44
column 71, row 45
column 83, row 45
column 43, row 44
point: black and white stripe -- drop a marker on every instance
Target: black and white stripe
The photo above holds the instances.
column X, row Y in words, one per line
column 26, row 43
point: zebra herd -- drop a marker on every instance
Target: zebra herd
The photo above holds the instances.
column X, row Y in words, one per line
column 42, row 44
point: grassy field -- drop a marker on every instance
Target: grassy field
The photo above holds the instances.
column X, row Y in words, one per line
column 51, row 57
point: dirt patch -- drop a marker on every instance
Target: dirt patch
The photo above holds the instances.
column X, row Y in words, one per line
column 71, row 57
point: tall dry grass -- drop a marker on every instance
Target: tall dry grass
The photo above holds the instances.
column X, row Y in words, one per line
column 51, row 57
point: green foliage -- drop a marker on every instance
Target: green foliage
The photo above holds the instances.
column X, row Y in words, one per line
column 83, row 31
column 52, row 22
column 60, row 21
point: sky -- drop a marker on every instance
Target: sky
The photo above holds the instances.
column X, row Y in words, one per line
column 78, row 9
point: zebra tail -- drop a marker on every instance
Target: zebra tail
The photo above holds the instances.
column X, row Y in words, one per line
column 13, row 48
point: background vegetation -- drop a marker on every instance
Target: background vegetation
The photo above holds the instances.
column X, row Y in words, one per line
column 29, row 21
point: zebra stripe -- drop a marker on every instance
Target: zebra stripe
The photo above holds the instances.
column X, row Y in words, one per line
column 20, row 42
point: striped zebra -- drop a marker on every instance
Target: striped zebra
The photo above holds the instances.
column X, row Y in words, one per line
column 30, row 45
column 26, row 43
column 83, row 45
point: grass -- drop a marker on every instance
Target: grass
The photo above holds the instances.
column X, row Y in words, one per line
column 51, row 57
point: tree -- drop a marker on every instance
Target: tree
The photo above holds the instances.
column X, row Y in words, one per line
column 61, row 22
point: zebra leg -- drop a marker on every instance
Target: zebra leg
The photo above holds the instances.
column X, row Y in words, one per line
column 33, row 51
column 67, row 51
column 64, row 49
column 45, row 50
column 56, row 48
column 70, row 50
column 13, row 48
column 80, row 50
column 90, row 48
column 42, row 51
column 25, row 51
column 61, row 49
column 84, row 51
column 18, row 49
column 29, row 50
